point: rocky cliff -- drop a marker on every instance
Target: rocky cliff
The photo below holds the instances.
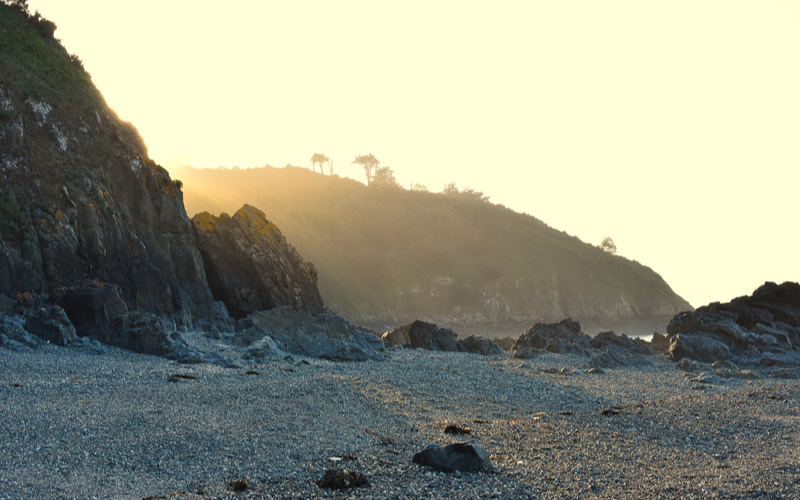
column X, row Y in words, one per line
column 80, row 198
column 94, row 238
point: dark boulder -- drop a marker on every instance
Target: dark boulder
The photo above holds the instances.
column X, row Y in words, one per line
column 759, row 331
column 461, row 457
column 564, row 337
column 250, row 265
column 480, row 345
column 428, row 336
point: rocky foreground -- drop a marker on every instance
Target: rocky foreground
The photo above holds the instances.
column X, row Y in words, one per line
column 78, row 424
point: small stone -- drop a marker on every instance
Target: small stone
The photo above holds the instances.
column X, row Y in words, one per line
column 457, row 429
column 240, row 484
column 337, row 480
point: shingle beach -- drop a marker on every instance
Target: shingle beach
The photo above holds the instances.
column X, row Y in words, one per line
column 121, row 425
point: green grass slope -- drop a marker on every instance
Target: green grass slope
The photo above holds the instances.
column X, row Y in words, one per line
column 386, row 256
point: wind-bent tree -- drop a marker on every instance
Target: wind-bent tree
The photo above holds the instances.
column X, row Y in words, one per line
column 370, row 165
column 318, row 158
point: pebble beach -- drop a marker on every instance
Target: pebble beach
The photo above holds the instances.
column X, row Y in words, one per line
column 120, row 425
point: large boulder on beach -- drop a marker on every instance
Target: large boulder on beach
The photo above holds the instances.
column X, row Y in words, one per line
column 456, row 457
column 760, row 331
column 428, row 336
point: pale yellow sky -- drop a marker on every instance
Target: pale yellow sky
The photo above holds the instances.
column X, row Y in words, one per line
column 670, row 126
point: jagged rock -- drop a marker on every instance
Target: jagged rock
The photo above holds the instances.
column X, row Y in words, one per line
column 423, row 335
column 760, row 331
column 564, row 337
column 480, row 345
column 461, row 457
column 250, row 265
column 326, row 336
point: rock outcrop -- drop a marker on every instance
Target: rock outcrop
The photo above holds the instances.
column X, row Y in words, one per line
column 422, row 335
column 250, row 265
column 761, row 331
column 95, row 243
column 605, row 350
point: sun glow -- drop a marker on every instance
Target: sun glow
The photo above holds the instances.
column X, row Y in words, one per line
column 670, row 127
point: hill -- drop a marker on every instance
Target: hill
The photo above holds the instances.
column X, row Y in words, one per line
column 386, row 256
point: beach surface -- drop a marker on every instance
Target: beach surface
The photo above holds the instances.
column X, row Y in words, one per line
column 122, row 425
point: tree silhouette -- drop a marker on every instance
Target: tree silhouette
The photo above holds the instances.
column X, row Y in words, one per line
column 370, row 164
column 318, row 158
column 608, row 245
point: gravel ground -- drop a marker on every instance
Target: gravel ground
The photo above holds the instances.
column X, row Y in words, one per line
column 127, row 426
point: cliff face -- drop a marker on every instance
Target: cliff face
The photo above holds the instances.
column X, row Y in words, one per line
column 82, row 206
column 80, row 198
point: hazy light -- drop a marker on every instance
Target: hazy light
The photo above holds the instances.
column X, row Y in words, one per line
column 671, row 127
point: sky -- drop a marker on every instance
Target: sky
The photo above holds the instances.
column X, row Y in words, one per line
column 672, row 127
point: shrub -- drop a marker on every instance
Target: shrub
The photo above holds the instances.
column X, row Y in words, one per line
column 46, row 27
